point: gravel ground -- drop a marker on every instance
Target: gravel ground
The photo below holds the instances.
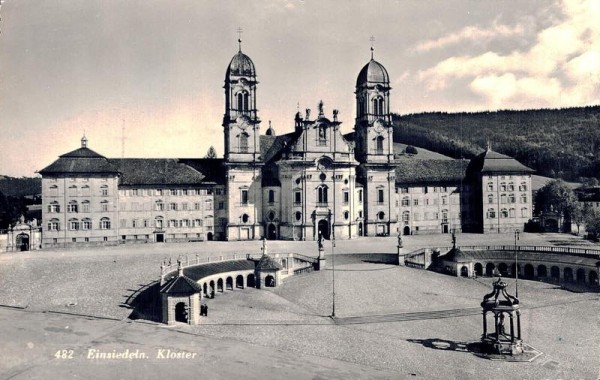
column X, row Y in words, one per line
column 295, row 316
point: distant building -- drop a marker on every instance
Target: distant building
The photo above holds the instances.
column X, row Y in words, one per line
column 296, row 186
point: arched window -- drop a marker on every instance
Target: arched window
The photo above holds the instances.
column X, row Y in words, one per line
column 512, row 212
column 53, row 225
column 86, row 224
column 511, row 198
column 85, row 206
column 491, row 213
column 104, row 206
column 158, row 222
column 298, row 215
column 378, row 105
column 243, row 100
column 104, row 190
column 379, row 145
column 322, row 195
column 490, row 198
column 53, row 191
column 381, row 215
column 406, row 216
column 72, row 190
column 524, row 212
column 490, row 186
column 405, row 201
column 271, row 196
column 523, row 198
column 245, row 218
column 54, row 207
column 346, row 215
column 503, row 186
column 105, row 224
column 244, row 142
column 73, row 224
column 72, row 206
column 504, row 213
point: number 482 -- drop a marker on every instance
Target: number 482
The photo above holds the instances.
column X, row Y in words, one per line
column 64, row 354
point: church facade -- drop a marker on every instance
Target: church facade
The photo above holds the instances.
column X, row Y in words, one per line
column 312, row 181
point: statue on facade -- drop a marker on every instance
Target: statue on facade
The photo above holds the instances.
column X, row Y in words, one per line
column 399, row 240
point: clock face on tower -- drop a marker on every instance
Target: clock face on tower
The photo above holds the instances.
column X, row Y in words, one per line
column 242, row 122
column 378, row 126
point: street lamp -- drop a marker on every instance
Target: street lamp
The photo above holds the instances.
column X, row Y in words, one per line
column 516, row 265
column 333, row 274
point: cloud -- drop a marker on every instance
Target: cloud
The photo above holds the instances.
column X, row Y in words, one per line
column 471, row 33
column 562, row 67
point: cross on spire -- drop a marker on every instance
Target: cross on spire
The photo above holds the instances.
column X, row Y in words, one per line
column 239, row 32
column 372, row 39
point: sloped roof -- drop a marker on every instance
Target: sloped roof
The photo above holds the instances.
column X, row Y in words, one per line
column 494, row 162
column 200, row 271
column 156, row 171
column 80, row 161
column 457, row 255
column 267, row 263
column 271, row 147
column 411, row 171
column 181, row 285
column 212, row 168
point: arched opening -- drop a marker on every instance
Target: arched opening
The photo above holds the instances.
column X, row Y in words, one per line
column 568, row 275
column 245, row 218
column 593, row 278
column 323, row 228
column 580, row 276
column 379, row 145
column 22, row 242
column 322, row 195
column 220, row 285
column 464, row 271
column 239, row 282
column 181, row 314
column 542, row 271
column 205, row 289
column 271, row 232
column 209, row 236
column 212, row 289
column 229, row 283
column 250, row 281
column 529, row 272
column 514, row 270
column 406, row 230
column 360, row 229
column 270, row 281
column 244, row 142
column 503, row 269
column 489, row 269
column 478, row 269
column 555, row 273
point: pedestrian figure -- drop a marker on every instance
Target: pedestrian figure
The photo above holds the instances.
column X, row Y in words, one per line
column 206, row 310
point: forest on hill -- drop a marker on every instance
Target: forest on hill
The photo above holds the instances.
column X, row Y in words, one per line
column 558, row 143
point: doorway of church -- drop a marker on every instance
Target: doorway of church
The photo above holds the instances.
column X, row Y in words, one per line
column 323, row 228
column 160, row 238
column 271, row 232
column 181, row 314
column 407, row 230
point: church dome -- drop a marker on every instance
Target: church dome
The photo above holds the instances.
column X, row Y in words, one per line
column 241, row 65
column 373, row 72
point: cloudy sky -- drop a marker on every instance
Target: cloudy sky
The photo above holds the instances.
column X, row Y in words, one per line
column 155, row 69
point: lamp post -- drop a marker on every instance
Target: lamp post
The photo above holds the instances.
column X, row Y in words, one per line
column 516, row 265
column 332, row 237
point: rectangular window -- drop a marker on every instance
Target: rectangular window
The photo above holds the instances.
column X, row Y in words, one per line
column 221, row 205
column 196, row 206
column 209, row 204
column 415, row 202
column 346, row 197
column 123, row 223
column 380, row 196
column 404, row 190
column 184, row 206
column 173, row 206
column 104, row 206
column 244, row 197
column 104, row 192
column 360, row 195
column 135, row 223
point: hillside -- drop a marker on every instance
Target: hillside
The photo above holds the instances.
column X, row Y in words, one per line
column 556, row 142
column 20, row 187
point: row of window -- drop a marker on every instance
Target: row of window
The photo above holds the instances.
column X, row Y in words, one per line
column 504, row 213
column 416, row 202
column 510, row 198
column 74, row 224
column 426, row 216
column 172, row 192
column 74, row 191
column 425, row 189
column 73, row 179
column 74, row 206
column 158, row 223
column 377, row 106
column 509, row 187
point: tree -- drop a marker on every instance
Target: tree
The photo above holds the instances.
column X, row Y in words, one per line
column 411, row 150
column 592, row 223
column 556, row 196
column 212, row 153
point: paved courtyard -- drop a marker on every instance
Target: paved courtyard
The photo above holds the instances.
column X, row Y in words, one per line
column 392, row 322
